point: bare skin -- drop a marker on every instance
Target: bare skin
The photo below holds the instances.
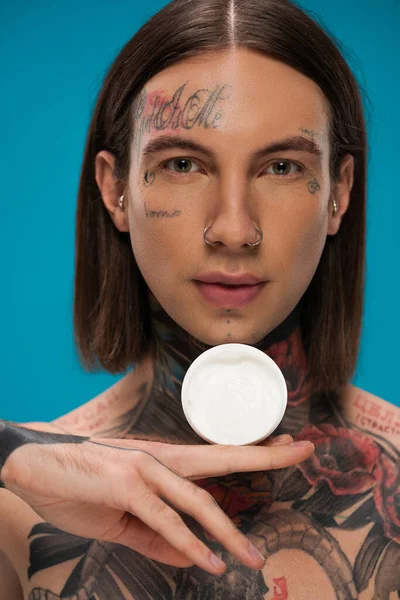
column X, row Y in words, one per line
column 328, row 526
column 324, row 558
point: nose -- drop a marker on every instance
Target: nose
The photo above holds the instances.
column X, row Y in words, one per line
column 234, row 225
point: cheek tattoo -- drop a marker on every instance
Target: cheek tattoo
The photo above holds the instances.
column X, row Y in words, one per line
column 149, row 178
column 161, row 213
column 313, row 186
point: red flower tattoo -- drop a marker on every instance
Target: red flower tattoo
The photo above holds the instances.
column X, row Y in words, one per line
column 387, row 496
column 290, row 357
column 236, row 497
column 345, row 459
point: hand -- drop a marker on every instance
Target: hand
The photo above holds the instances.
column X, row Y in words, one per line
column 112, row 490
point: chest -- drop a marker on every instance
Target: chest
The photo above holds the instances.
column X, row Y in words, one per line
column 317, row 545
column 328, row 527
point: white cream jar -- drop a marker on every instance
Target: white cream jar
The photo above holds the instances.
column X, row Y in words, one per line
column 234, row 394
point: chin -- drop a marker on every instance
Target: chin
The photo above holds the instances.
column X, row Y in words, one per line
column 224, row 334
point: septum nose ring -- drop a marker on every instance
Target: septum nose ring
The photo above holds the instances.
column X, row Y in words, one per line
column 247, row 243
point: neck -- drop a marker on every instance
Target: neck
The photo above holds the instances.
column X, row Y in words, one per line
column 175, row 349
column 157, row 413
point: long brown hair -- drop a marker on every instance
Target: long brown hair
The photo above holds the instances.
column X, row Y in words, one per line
column 111, row 313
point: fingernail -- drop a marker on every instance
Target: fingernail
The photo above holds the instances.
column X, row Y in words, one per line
column 303, row 444
column 216, row 562
column 254, row 553
column 280, row 439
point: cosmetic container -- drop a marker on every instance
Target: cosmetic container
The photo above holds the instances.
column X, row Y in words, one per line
column 234, row 394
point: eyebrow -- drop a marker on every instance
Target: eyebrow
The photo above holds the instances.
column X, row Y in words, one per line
column 297, row 143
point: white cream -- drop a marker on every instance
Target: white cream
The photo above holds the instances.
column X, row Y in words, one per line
column 234, row 394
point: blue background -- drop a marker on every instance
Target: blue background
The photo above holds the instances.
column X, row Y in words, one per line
column 54, row 58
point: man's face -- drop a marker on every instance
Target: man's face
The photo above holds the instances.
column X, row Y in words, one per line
column 234, row 104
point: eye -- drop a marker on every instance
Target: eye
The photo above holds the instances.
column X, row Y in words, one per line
column 181, row 165
column 283, row 167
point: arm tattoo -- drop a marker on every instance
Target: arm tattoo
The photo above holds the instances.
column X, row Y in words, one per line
column 12, row 436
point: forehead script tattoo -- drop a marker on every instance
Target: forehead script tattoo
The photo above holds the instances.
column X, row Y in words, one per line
column 158, row 111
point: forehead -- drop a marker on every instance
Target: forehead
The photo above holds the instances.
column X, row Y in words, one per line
column 258, row 95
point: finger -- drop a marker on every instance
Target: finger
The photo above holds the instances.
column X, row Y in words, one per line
column 200, row 505
column 285, row 438
column 167, row 523
column 138, row 536
column 198, row 461
column 212, row 461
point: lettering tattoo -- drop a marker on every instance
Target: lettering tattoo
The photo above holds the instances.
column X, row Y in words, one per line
column 313, row 186
column 158, row 111
column 371, row 415
column 160, row 214
column 12, row 436
column 149, row 178
column 93, row 416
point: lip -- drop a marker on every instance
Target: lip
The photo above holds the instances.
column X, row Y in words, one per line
column 228, row 279
column 222, row 296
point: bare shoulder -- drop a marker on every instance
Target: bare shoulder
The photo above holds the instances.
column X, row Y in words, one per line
column 372, row 413
column 101, row 411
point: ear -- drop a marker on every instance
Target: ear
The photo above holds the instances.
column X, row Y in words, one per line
column 341, row 193
column 111, row 189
